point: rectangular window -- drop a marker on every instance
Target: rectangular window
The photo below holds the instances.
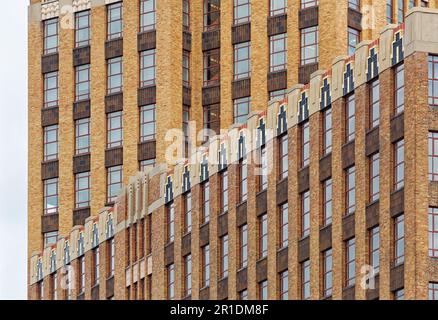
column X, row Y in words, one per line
column 400, row 11
column 353, row 40
column 305, row 214
column 374, row 244
column 82, row 136
column 354, row 4
column 170, row 223
column 327, row 131
column 350, row 186
column 171, row 282
column 187, row 275
column 51, row 88
column 277, row 94
column 263, row 290
column 309, row 45
column 284, row 225
column 115, row 20
column 50, row 143
column 243, row 180
column 263, row 236
column 242, row 60
column 278, row 52
column 243, row 295
column 82, row 82
column 114, row 130
column 187, row 212
column 223, row 270
column 147, row 15
column 147, row 123
column 374, row 187
column 212, row 14
column 374, row 103
column 242, row 11
column 350, row 262
column 82, row 190
column 224, row 191
column 186, row 68
column 82, row 274
column 433, row 291
column 54, row 279
column 243, row 246
column 51, row 36
column 144, row 164
column 424, row 3
column 147, row 68
column 305, row 144
column 350, row 118
column 305, row 280
column 205, row 202
column 185, row 129
column 283, row 162
column 327, row 202
column 433, row 80
column 50, row 196
column 114, row 75
column 50, row 238
column 284, row 285
column 205, row 266
column 389, row 11
column 399, row 294
column 82, row 28
column 433, row 156
column 399, row 240
column 399, row 87
column 96, row 266
column 149, row 234
column 114, row 182
column 262, row 177
column 327, row 272
column 211, row 67
column 186, row 14
column 309, row 3
column 111, row 257
column 277, row 7
column 433, row 232
column 242, row 108
column 399, row 164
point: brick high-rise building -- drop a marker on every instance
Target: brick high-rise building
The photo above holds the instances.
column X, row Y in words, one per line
column 108, row 79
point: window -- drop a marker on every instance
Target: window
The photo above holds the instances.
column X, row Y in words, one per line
column 262, row 175
column 278, row 94
column 242, row 60
column 327, row 257
column 350, row 196
column 51, row 36
column 111, row 257
column 284, row 225
column 115, row 20
column 433, row 156
column 82, row 190
column 327, row 202
column 51, row 89
column 144, row 164
column 305, row 214
column 243, row 246
column 51, row 143
column 242, row 108
column 350, row 262
column 389, row 11
column 424, row 3
column 186, row 68
column 327, row 131
column 309, row 3
column 185, row 128
column 374, row 164
column 309, row 45
column 223, row 271
column 147, row 15
column 399, row 84
column 263, row 290
column 353, row 40
column 149, row 234
column 82, row 82
column 305, row 280
column 284, row 285
column 81, row 274
column 114, row 75
column 305, row 144
column 263, row 236
column 433, row 80
column 96, row 265
column 171, row 282
column 82, row 28
column 399, row 294
column 399, row 240
column 188, row 275
column 243, row 295
column 170, row 223
column 433, row 291
column 205, row 266
column 278, row 52
column 242, row 11
column 41, row 290
column 283, row 163
column 187, row 212
column 205, row 202
column 186, row 14
column 399, row 164
column 433, row 232
column 114, row 129
column 82, row 136
column 54, row 279
column 50, row 196
column 400, row 11
column 224, row 191
column 147, row 123
column 212, row 14
column 277, row 7
column 354, row 4
column 147, row 68
column 50, row 238
column 114, row 182
column 350, row 118
column 211, row 67
column 211, row 120
column 374, row 243
column 374, row 103
column 243, row 180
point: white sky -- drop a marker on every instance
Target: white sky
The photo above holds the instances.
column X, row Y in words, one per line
column 13, row 149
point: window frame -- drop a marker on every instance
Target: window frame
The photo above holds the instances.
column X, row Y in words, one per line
column 79, row 177
column 85, row 14
column 399, row 89
column 116, row 170
column 117, row 22
column 48, row 37
column 145, row 79
column 147, row 123
column 145, row 14
column 50, row 141
column 309, row 38
column 281, row 52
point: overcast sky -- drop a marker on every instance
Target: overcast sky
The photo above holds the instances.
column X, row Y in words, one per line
column 13, row 153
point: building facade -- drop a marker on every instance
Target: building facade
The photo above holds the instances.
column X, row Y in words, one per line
column 330, row 193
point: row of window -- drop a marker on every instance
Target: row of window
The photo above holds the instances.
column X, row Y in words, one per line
column 397, row 16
